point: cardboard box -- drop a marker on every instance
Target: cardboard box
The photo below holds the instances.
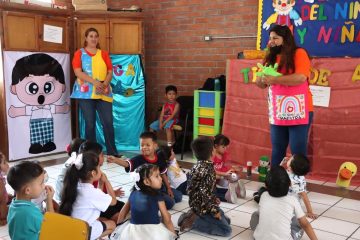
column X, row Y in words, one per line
column 34, row 2
column 99, row 5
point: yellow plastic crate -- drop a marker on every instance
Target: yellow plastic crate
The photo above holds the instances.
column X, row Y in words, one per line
column 206, row 112
column 206, row 130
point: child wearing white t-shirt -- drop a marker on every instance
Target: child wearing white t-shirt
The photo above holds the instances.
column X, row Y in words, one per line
column 276, row 211
column 177, row 176
column 297, row 166
column 80, row 199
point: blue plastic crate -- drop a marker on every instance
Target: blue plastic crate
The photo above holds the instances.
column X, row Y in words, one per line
column 207, row 99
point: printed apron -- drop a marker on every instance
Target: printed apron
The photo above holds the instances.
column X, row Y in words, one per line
column 288, row 105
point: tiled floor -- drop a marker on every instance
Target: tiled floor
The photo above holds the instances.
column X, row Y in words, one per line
column 339, row 217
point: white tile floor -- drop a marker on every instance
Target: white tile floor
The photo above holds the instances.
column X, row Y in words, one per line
column 339, row 217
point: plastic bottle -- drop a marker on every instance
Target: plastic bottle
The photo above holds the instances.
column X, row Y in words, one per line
column 248, row 170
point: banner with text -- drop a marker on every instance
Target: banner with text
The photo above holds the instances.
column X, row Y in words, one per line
column 328, row 28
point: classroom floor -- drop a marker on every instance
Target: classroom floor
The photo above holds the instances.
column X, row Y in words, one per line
column 339, row 217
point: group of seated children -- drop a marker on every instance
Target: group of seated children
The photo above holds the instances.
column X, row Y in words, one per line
column 84, row 192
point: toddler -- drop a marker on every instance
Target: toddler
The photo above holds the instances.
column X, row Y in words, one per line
column 275, row 218
column 71, row 149
column 149, row 154
column 80, row 199
column 205, row 214
column 297, row 167
column 228, row 177
column 24, row 218
column 144, row 204
column 177, row 176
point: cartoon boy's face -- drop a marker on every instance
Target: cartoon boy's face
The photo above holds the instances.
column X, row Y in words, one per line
column 283, row 5
column 38, row 90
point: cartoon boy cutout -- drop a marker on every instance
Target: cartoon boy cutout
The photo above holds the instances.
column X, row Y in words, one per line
column 38, row 81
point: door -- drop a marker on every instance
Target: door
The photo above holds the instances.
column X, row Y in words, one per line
column 125, row 37
column 20, row 31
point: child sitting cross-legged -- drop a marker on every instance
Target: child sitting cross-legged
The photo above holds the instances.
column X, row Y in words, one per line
column 24, row 218
column 149, row 154
column 275, row 219
column 205, row 214
column 144, row 203
column 80, row 199
column 228, row 178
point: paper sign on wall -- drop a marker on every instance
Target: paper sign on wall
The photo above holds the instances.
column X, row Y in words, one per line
column 321, row 95
column 53, row 34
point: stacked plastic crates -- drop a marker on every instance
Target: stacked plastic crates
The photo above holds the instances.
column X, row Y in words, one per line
column 208, row 112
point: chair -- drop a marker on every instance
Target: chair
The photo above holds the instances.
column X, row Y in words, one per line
column 59, row 227
column 183, row 129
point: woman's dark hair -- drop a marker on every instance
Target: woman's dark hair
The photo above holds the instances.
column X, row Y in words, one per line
column 38, row 64
column 23, row 173
column 74, row 145
column 287, row 50
column 87, row 33
column 90, row 146
column 146, row 171
column 72, row 177
column 277, row 182
column 300, row 165
column 221, row 139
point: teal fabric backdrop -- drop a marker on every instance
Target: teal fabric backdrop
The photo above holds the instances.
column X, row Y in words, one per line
column 128, row 110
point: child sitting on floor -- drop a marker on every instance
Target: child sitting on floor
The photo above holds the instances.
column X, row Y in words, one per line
column 103, row 183
column 297, row 166
column 24, row 218
column 168, row 116
column 227, row 177
column 148, row 148
column 205, row 214
column 71, row 149
column 80, row 199
column 144, row 204
column 4, row 196
column 275, row 218
column 177, row 176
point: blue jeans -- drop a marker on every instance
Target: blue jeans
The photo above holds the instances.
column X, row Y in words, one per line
column 89, row 107
column 282, row 136
column 170, row 202
column 210, row 225
column 182, row 188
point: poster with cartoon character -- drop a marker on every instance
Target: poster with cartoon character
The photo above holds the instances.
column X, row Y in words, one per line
column 37, row 102
column 325, row 28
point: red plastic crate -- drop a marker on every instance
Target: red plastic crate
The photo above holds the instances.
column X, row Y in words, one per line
column 206, row 121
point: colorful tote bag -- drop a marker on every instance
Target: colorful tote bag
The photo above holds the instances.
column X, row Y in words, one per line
column 288, row 105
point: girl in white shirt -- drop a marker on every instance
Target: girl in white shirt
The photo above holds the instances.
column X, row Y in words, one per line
column 80, row 199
